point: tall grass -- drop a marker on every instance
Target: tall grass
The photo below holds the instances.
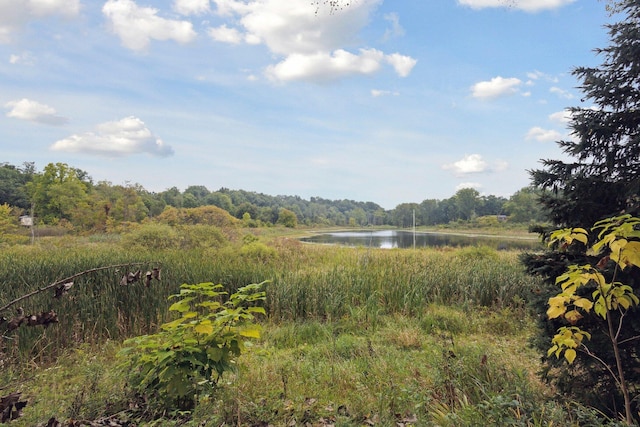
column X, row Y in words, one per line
column 307, row 282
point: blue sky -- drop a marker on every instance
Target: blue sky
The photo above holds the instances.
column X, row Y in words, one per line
column 389, row 102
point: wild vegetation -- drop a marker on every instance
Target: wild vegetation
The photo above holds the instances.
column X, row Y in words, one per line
column 351, row 336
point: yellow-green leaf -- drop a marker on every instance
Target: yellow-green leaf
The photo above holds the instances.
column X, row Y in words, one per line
column 583, row 303
column 570, row 355
column 204, row 328
column 251, row 332
column 630, row 254
column 557, row 306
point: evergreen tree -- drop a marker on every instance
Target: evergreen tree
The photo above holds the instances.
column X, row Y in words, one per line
column 603, row 180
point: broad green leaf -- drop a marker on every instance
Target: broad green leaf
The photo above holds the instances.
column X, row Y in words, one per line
column 172, row 325
column 182, row 305
column 600, row 307
column 204, row 327
column 253, row 332
column 215, row 353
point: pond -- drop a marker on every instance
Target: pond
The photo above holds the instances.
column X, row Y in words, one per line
column 405, row 239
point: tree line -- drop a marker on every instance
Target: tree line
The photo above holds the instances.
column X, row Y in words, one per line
column 64, row 195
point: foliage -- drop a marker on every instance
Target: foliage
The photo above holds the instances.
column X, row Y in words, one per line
column 62, row 193
column 153, row 236
column 618, row 242
column 57, row 192
column 523, row 206
column 8, row 220
column 12, row 184
column 287, row 218
column 191, row 353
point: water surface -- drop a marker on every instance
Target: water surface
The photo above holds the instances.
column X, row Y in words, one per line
column 405, row 239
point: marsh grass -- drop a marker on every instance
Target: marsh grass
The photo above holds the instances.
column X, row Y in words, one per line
column 307, row 283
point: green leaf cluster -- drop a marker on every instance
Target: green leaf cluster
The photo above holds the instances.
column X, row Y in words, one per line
column 191, row 353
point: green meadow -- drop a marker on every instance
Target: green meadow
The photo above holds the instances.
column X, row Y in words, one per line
column 352, row 336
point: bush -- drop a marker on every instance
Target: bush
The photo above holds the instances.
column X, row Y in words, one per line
column 152, row 236
column 190, row 354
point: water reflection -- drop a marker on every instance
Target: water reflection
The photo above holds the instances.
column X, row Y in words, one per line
column 405, row 239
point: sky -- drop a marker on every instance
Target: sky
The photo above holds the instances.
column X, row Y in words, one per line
column 383, row 101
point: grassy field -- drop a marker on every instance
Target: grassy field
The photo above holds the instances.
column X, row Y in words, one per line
column 352, row 336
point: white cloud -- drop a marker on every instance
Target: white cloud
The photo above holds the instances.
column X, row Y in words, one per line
column 543, row 135
column 24, row 58
column 225, row 34
column 191, row 7
column 311, row 43
column 401, row 63
column 526, row 5
column 396, row 29
column 26, row 109
column 472, row 163
column 136, row 25
column 463, row 185
column 561, row 117
column 120, row 138
column 14, row 14
column 324, row 66
column 377, row 92
column 496, row 87
column 561, row 93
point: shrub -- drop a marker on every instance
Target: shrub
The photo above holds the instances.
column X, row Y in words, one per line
column 190, row 354
column 152, row 236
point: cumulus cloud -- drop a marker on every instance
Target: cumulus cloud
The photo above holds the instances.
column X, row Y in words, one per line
column 311, row 43
column 120, row 138
column 26, row 109
column 525, row 5
column 496, row 87
column 401, row 63
column 14, row 14
column 323, row 66
column 472, row 163
column 543, row 135
column 225, row 34
column 137, row 26
column 191, row 7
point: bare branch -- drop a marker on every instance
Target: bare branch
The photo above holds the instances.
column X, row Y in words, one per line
column 66, row 280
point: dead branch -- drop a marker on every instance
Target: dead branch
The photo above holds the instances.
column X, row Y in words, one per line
column 66, row 281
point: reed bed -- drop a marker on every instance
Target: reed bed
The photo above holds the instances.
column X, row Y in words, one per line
column 307, row 282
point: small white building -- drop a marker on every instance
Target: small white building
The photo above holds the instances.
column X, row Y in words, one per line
column 26, row 220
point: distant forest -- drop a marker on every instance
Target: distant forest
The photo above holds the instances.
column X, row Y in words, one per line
column 63, row 195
